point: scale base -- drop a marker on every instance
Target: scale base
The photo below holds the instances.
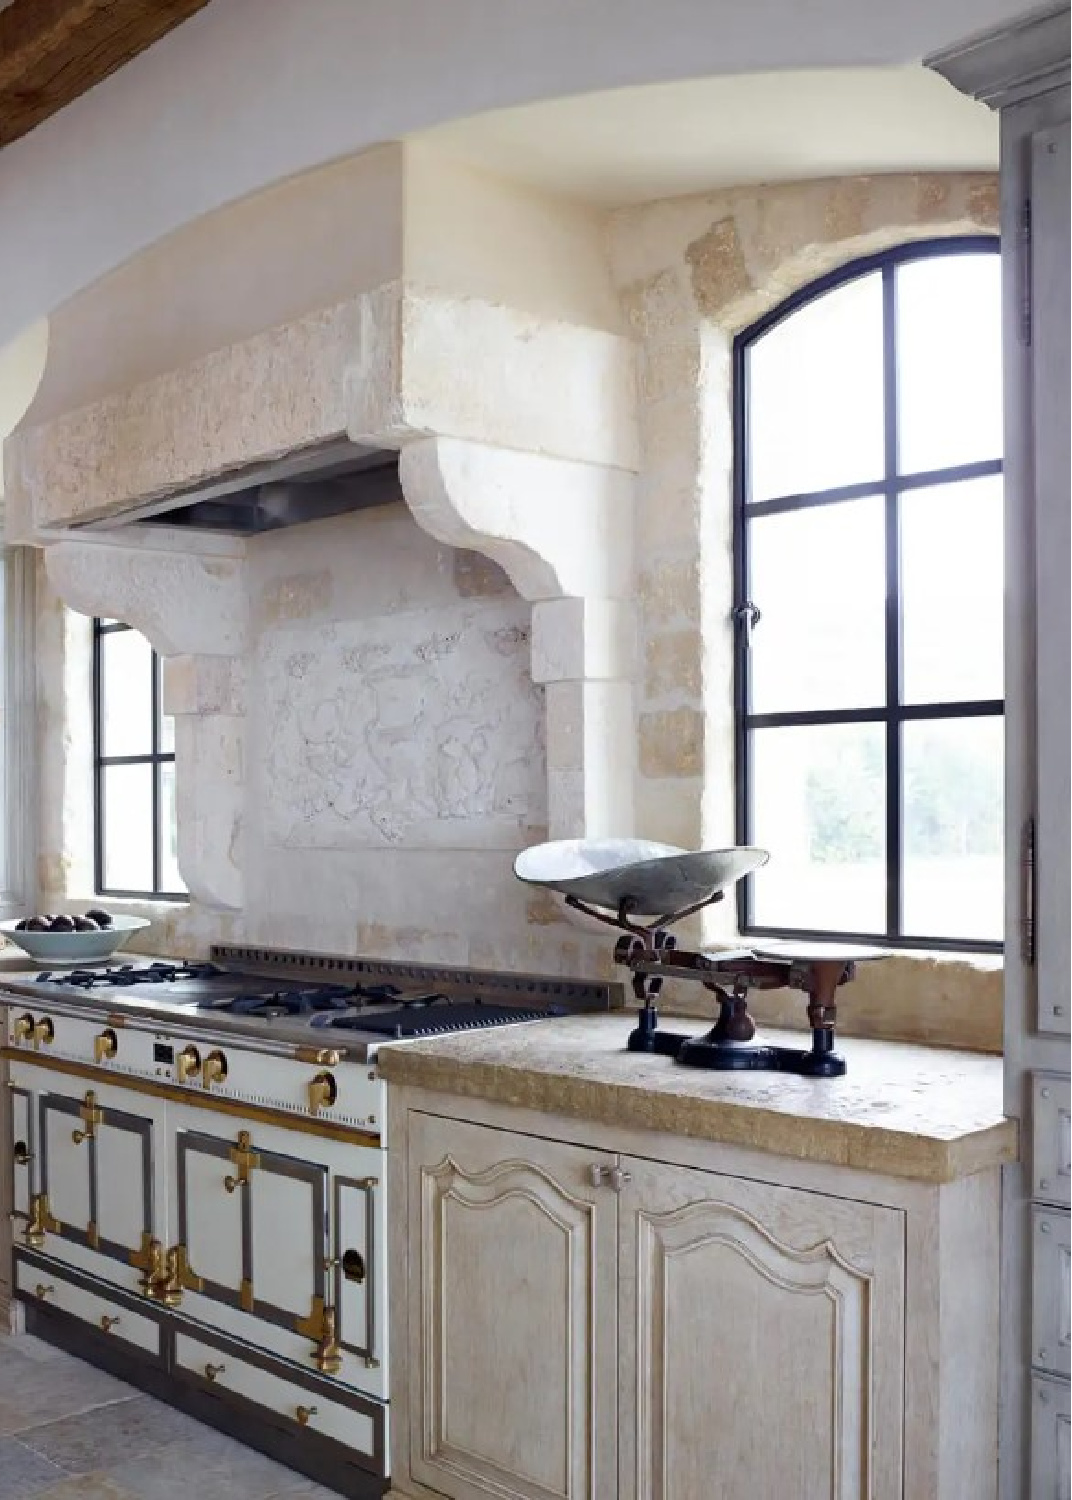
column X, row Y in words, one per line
column 821, row 1061
column 697, row 1052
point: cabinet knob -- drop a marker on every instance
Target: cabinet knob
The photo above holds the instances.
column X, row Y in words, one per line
column 303, row 1413
column 42, row 1291
column 44, row 1033
column 23, row 1028
column 21, row 1154
column 619, row 1179
column 597, row 1175
column 107, row 1323
column 211, row 1371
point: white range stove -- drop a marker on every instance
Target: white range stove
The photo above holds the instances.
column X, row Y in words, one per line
column 199, row 1177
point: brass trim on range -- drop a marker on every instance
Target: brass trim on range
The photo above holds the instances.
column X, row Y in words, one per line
column 245, row 1159
column 40, row 1222
column 320, row 1057
column 92, row 1116
column 92, row 1236
column 234, row 1107
column 245, row 1295
column 180, row 1276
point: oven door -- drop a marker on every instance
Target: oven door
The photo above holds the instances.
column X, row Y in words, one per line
column 281, row 1233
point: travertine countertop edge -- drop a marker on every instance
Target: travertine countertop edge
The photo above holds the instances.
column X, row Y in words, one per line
column 550, row 1075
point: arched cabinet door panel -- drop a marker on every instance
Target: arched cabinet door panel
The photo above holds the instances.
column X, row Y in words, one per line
column 762, row 1337
column 512, row 1323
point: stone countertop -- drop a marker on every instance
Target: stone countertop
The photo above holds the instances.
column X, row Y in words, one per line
column 926, row 1113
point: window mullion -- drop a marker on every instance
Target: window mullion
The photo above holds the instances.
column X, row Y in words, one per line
column 894, row 860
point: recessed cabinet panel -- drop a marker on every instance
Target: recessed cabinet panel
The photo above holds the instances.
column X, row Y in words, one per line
column 66, row 1164
column 209, row 1217
column 764, row 1331
column 1050, row 1275
column 287, row 1269
column 22, row 1151
column 1051, row 1138
column 124, row 1181
column 1051, row 1439
column 358, row 1247
column 513, row 1352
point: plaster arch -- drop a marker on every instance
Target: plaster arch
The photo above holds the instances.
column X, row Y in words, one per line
column 250, row 92
column 22, row 368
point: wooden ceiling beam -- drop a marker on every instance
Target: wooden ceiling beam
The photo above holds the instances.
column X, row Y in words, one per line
column 51, row 51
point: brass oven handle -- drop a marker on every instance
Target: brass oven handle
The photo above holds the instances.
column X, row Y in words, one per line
column 108, row 1323
column 211, row 1371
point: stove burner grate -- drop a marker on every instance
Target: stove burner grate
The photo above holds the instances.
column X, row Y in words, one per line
column 436, row 1014
column 125, row 975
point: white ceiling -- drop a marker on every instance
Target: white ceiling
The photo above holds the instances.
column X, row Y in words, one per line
column 664, row 140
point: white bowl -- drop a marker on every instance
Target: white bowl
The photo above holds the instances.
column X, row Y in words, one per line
column 73, row 947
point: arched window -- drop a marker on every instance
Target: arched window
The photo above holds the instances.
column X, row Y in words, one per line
column 869, row 597
column 134, row 769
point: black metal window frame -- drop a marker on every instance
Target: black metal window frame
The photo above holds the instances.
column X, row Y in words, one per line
column 894, row 713
column 156, row 758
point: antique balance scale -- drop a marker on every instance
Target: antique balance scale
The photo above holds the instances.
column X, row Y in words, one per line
column 644, row 888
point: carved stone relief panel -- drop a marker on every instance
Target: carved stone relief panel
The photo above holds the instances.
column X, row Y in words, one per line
column 421, row 729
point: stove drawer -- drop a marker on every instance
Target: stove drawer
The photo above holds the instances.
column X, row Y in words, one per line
column 356, row 1424
column 36, row 1282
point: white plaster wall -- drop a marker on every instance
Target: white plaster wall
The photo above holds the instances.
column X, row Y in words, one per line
column 476, row 234
column 249, row 92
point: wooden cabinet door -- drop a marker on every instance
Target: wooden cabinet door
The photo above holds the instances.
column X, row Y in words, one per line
column 512, row 1337
column 762, row 1341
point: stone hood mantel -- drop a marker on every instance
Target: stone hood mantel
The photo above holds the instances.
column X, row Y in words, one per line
column 517, row 438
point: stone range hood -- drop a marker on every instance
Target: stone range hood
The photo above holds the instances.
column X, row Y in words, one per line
column 310, row 485
column 529, row 460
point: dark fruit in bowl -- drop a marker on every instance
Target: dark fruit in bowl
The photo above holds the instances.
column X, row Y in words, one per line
column 21, row 926
column 35, row 924
column 85, row 924
column 101, row 917
column 61, row 924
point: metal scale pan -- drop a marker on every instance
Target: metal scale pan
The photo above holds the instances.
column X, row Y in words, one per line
column 636, row 876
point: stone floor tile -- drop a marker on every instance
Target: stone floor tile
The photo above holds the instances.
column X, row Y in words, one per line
column 85, row 1487
column 225, row 1470
column 33, row 1394
column 90, row 1443
column 23, row 1472
column 31, row 1347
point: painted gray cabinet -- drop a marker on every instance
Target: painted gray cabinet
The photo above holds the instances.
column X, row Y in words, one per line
column 1023, row 71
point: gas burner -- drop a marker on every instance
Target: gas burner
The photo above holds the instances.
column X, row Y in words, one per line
column 283, row 1003
column 122, row 976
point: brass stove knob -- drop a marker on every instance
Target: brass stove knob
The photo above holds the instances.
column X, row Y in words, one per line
column 106, row 1045
column 213, row 1069
column 23, row 1028
column 187, row 1064
column 322, row 1091
column 44, row 1033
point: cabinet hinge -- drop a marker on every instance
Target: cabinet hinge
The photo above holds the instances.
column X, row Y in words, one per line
column 1027, row 894
column 1025, row 272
